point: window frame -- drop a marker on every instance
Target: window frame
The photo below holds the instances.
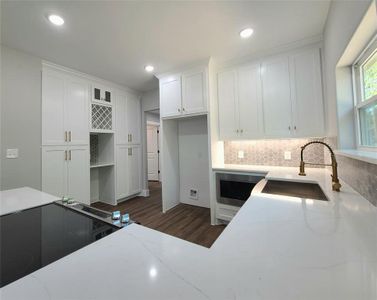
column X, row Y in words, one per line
column 357, row 76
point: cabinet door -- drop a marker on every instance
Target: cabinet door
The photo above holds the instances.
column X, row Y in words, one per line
column 134, row 170
column 53, row 131
column 194, row 92
column 121, row 119
column 76, row 111
column 307, row 100
column 228, row 105
column 54, row 170
column 170, row 96
column 250, row 102
column 121, row 172
column 276, row 98
column 133, row 119
column 79, row 174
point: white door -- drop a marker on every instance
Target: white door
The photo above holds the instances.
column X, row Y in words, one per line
column 170, row 96
column 54, row 170
column 76, row 111
column 194, row 92
column 134, row 170
column 250, row 102
column 53, row 131
column 152, row 152
column 276, row 98
column 307, row 100
column 121, row 119
column 133, row 119
column 121, row 171
column 79, row 174
column 228, row 110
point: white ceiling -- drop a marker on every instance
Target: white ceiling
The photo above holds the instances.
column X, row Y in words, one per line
column 114, row 40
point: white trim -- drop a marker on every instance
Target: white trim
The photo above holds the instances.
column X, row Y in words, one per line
column 144, row 193
column 50, row 65
column 367, row 156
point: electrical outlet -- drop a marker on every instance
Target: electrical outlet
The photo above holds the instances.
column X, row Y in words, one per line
column 194, row 194
column 241, row 154
column 287, row 155
column 12, row 153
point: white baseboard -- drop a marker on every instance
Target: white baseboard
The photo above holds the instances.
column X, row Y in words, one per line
column 144, row 193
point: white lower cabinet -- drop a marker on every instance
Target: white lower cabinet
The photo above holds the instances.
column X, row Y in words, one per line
column 65, row 172
column 128, row 171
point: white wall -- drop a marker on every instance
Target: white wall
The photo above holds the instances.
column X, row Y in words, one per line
column 20, row 118
column 149, row 101
column 152, row 117
column 194, row 160
column 342, row 21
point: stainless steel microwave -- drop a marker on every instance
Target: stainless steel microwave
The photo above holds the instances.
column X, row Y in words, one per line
column 235, row 189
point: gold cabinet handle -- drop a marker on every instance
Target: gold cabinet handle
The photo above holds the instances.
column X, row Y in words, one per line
column 70, row 136
column 179, row 110
column 70, row 155
column 130, row 137
column 129, row 151
column 289, row 127
column 65, row 136
column 65, row 155
column 241, row 130
column 237, row 130
column 183, row 109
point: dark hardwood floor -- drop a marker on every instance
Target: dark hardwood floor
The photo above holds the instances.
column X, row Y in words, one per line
column 191, row 223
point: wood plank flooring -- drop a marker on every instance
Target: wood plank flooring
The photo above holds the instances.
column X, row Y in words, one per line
column 191, row 223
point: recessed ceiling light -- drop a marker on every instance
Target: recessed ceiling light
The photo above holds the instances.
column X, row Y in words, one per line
column 149, row 68
column 56, row 20
column 246, row 33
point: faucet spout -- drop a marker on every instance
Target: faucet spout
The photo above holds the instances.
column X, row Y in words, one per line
column 334, row 165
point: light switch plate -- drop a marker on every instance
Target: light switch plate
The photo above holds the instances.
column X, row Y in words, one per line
column 12, row 153
column 241, row 154
column 287, row 155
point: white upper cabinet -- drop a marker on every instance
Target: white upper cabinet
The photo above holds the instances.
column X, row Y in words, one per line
column 240, row 107
column 279, row 98
column 133, row 119
column 170, row 96
column 185, row 93
column 307, row 100
column 53, row 125
column 250, row 102
column 276, row 95
column 121, row 118
column 76, row 111
column 194, row 91
column 65, row 105
column 128, row 119
column 228, row 113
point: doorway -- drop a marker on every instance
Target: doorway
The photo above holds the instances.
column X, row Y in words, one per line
column 153, row 145
column 153, row 152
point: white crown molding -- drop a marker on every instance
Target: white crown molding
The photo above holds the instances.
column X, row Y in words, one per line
column 53, row 66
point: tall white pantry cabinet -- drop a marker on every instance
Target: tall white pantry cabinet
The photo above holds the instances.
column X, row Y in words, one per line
column 83, row 125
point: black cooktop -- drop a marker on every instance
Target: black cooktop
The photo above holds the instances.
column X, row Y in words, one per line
column 36, row 237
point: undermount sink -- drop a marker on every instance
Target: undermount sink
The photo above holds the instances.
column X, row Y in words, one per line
column 295, row 189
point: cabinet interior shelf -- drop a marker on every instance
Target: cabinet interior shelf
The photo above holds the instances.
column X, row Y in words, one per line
column 101, row 165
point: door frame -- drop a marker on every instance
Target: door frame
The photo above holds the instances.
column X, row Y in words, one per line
column 155, row 124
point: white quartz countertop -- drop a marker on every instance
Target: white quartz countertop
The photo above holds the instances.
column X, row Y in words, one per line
column 276, row 247
column 22, row 198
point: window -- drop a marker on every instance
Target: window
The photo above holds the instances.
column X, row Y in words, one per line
column 365, row 75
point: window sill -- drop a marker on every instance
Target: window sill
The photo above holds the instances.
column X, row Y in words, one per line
column 367, row 156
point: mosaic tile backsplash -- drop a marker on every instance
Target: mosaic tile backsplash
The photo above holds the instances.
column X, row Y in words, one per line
column 271, row 152
column 360, row 175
